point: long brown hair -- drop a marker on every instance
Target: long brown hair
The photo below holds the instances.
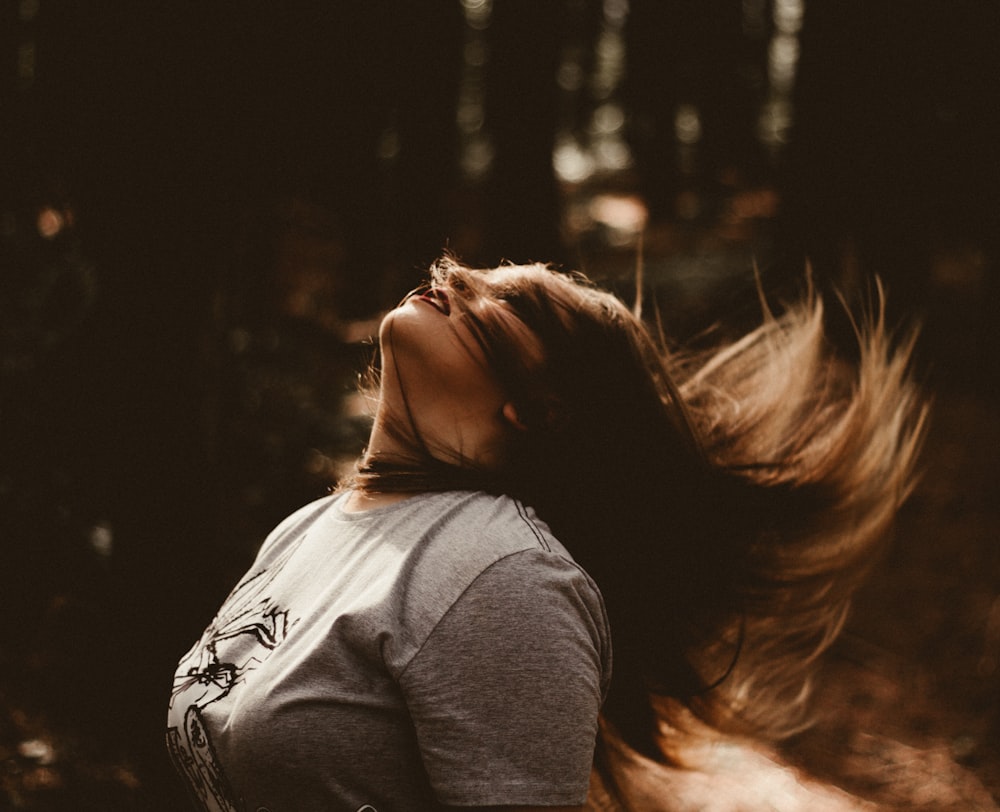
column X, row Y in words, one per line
column 727, row 503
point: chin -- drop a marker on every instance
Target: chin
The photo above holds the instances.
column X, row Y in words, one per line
column 403, row 332
column 395, row 322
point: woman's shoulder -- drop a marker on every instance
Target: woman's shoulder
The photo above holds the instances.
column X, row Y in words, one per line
column 494, row 523
column 295, row 524
column 492, row 556
column 476, row 534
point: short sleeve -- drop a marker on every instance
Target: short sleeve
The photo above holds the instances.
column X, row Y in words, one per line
column 506, row 691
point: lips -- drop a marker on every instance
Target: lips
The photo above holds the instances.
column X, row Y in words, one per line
column 437, row 299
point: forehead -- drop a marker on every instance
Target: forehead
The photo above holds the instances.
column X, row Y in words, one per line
column 486, row 315
column 496, row 320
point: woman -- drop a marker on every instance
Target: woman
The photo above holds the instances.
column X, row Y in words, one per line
column 422, row 640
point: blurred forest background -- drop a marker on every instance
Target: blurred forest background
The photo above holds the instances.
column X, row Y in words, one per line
column 204, row 207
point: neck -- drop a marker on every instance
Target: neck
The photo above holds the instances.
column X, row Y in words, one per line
column 389, row 440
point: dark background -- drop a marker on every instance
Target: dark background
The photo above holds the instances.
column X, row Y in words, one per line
column 205, row 205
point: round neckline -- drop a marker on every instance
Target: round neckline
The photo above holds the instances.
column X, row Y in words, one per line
column 375, row 510
column 381, row 503
column 410, row 499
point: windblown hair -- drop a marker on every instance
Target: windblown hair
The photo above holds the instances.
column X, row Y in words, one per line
column 727, row 503
column 828, row 450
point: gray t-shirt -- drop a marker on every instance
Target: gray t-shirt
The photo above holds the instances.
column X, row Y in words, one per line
column 441, row 650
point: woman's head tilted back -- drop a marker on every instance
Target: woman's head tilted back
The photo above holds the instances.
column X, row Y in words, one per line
column 562, row 362
column 727, row 523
